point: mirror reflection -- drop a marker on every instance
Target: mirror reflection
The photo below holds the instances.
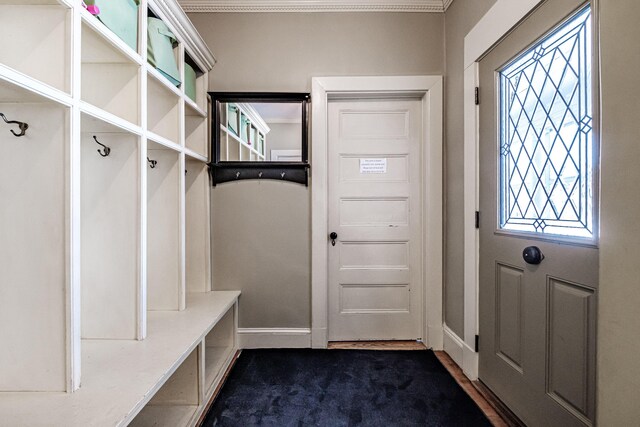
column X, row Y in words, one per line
column 261, row 131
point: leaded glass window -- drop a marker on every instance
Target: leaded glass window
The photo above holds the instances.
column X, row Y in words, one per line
column 546, row 148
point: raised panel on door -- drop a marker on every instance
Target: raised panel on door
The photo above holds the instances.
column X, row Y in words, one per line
column 376, row 211
column 397, row 169
column 571, row 346
column 372, row 298
column 374, row 255
column 509, row 314
column 374, row 125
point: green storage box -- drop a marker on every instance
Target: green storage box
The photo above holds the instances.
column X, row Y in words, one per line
column 232, row 119
column 161, row 42
column 190, row 82
column 253, row 136
column 245, row 123
column 121, row 17
column 260, row 146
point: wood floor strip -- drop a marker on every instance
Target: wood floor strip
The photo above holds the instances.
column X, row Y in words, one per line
column 489, row 410
column 376, row 345
column 218, row 388
column 510, row 418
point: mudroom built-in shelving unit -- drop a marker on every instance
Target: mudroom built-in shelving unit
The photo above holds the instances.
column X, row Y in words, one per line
column 243, row 133
column 107, row 315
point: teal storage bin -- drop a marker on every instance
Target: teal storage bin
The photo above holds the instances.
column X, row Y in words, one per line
column 161, row 42
column 245, row 123
column 121, row 17
column 232, row 119
column 190, row 82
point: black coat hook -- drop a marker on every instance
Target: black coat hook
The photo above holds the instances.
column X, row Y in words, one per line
column 22, row 125
column 152, row 163
column 106, row 150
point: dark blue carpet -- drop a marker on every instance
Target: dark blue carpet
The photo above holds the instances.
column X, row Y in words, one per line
column 342, row 388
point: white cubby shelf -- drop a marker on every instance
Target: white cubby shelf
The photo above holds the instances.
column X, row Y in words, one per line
column 36, row 42
column 110, row 79
column 105, row 261
column 163, row 108
column 34, row 254
column 165, row 180
column 110, row 230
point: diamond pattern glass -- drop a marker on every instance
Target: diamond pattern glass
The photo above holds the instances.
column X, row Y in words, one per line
column 546, row 142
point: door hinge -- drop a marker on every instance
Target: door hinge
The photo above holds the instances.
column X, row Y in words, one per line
column 477, row 343
column 477, row 95
column 477, row 219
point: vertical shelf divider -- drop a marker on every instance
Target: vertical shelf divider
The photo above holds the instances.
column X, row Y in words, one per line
column 73, row 218
column 144, row 85
column 183, row 186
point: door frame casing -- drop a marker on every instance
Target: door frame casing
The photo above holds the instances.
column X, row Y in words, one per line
column 430, row 90
column 503, row 16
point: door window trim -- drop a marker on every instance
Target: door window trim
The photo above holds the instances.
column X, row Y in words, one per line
column 588, row 241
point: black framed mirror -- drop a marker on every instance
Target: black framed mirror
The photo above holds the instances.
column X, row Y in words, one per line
column 260, row 135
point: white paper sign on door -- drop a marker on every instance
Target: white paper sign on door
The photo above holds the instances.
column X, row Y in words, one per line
column 373, row 165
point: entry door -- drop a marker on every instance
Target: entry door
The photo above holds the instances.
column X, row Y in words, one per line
column 375, row 278
column 537, row 190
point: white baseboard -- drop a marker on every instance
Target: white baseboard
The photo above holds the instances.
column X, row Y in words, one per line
column 453, row 346
column 319, row 338
column 464, row 356
column 274, row 338
column 434, row 338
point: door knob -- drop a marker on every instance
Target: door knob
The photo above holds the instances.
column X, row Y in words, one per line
column 532, row 255
column 333, row 236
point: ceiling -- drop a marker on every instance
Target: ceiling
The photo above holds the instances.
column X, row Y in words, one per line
column 434, row 6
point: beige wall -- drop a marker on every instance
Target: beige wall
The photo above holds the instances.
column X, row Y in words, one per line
column 460, row 18
column 282, row 52
column 283, row 136
column 619, row 300
column 261, row 246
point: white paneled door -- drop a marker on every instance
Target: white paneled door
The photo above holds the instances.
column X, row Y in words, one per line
column 375, row 245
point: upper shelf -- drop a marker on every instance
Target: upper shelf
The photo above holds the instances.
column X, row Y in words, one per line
column 110, row 76
column 162, row 80
column 37, row 46
column 118, row 45
column 193, row 109
column 22, row 90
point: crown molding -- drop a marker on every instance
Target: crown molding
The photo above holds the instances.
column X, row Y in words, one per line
column 203, row 6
